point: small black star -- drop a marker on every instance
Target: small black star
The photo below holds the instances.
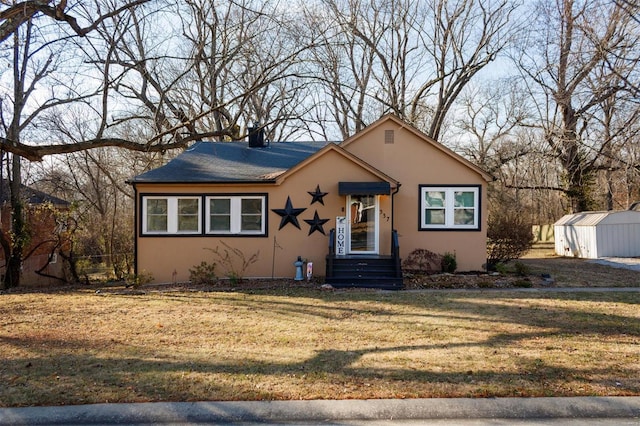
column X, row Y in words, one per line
column 288, row 214
column 317, row 196
column 316, row 223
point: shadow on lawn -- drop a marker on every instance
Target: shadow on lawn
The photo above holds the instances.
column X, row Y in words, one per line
column 68, row 371
column 464, row 305
column 74, row 378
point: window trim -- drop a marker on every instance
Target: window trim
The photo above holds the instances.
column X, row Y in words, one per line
column 202, row 211
column 236, row 214
column 449, row 208
column 172, row 214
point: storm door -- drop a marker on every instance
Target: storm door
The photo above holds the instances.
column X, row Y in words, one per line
column 362, row 219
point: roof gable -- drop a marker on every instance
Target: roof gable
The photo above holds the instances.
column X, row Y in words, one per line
column 340, row 151
column 420, row 135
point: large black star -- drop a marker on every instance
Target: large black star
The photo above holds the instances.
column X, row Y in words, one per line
column 317, row 196
column 288, row 214
column 316, row 223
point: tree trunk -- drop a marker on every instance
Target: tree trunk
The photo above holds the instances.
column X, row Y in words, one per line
column 579, row 174
column 579, row 178
column 18, row 229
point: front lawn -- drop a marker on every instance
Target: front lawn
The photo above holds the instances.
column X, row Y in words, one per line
column 83, row 346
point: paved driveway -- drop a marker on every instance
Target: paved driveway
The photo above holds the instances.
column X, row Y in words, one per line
column 632, row 263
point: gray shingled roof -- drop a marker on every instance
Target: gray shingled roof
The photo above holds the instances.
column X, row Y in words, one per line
column 210, row 162
column 30, row 195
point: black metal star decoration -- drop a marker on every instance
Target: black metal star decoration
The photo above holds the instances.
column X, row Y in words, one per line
column 288, row 214
column 317, row 195
column 316, row 223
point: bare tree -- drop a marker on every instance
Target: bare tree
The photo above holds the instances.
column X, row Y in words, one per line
column 488, row 123
column 616, row 127
column 409, row 58
column 467, row 36
column 242, row 66
column 182, row 80
column 45, row 77
column 17, row 14
column 492, row 131
column 94, row 181
column 631, row 7
column 345, row 65
column 567, row 60
column 31, row 61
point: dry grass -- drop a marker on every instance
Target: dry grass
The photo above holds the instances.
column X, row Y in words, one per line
column 573, row 272
column 79, row 346
column 540, row 262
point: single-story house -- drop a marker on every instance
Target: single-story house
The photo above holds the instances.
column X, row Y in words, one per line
column 596, row 234
column 351, row 209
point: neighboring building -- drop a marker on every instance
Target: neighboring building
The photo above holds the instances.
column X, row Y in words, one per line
column 41, row 251
column 335, row 205
column 592, row 235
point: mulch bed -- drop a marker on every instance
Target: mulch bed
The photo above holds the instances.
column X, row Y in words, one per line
column 411, row 282
column 474, row 281
column 479, row 280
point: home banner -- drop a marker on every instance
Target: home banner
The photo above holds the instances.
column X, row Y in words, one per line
column 341, row 235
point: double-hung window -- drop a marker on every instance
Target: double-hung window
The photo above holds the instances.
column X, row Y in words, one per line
column 237, row 214
column 171, row 215
column 455, row 207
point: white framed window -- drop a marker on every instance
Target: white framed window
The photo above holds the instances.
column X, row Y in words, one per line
column 236, row 214
column 163, row 215
column 449, row 207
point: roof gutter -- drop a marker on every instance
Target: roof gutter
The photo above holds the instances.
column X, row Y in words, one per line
column 221, row 182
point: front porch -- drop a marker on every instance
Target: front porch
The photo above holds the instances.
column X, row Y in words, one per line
column 364, row 270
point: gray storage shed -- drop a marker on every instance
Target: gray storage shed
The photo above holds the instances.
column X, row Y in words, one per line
column 592, row 235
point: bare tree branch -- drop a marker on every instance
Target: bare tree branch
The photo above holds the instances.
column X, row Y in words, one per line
column 17, row 14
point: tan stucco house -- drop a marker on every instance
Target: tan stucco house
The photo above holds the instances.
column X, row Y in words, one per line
column 352, row 209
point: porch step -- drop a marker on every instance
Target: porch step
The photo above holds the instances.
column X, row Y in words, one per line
column 366, row 272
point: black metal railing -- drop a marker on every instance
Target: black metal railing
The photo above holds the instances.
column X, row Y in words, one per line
column 332, row 242
column 395, row 252
column 332, row 253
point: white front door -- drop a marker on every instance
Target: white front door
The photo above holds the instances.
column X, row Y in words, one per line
column 362, row 220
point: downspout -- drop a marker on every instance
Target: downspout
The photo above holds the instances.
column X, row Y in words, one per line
column 393, row 215
column 135, row 227
column 395, row 245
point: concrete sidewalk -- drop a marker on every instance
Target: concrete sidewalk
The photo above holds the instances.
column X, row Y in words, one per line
column 625, row 409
